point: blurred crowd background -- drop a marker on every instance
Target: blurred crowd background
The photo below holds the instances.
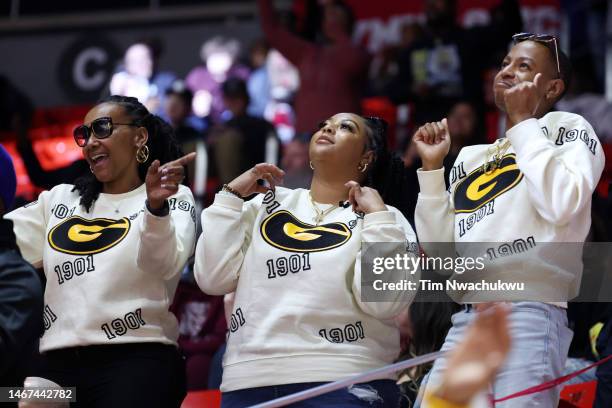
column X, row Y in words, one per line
column 243, row 82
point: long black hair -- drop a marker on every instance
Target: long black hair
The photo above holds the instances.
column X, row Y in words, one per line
column 161, row 142
column 387, row 173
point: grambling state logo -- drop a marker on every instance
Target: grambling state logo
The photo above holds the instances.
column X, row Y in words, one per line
column 478, row 188
column 78, row 236
column 282, row 230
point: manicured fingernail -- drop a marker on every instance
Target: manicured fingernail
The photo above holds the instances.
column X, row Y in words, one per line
column 164, row 178
column 164, row 171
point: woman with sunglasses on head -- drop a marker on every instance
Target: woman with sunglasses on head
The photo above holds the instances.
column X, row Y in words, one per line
column 112, row 247
column 527, row 197
column 293, row 257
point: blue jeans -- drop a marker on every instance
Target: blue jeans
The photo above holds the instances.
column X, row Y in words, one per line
column 540, row 342
column 374, row 394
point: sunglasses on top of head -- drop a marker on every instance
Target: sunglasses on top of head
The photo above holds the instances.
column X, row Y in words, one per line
column 544, row 39
column 101, row 128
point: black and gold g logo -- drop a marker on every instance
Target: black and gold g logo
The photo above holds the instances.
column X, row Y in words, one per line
column 282, row 230
column 78, row 236
column 478, row 188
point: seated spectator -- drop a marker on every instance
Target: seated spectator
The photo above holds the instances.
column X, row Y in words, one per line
column 202, row 330
column 466, row 127
column 140, row 77
column 177, row 111
column 243, row 140
column 423, row 328
column 219, row 55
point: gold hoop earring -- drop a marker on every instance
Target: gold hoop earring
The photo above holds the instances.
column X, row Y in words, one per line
column 362, row 167
column 311, row 166
column 142, row 154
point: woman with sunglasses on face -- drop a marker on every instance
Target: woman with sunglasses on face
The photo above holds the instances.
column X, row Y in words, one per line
column 112, row 247
column 293, row 257
column 528, row 197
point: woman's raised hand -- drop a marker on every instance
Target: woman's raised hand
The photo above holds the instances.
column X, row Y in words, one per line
column 432, row 142
column 364, row 199
column 246, row 183
column 163, row 181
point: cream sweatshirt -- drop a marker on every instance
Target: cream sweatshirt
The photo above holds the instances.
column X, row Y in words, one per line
column 298, row 314
column 111, row 272
column 540, row 195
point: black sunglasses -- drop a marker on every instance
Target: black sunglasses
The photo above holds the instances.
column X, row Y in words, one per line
column 542, row 39
column 101, row 128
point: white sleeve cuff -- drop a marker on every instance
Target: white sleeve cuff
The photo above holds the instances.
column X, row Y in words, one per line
column 525, row 135
column 154, row 224
column 379, row 217
column 229, row 201
column 432, row 183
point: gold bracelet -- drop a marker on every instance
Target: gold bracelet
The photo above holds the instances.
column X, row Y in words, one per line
column 434, row 401
column 230, row 190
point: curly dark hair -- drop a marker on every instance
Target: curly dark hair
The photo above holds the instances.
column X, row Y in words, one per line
column 162, row 144
column 387, row 173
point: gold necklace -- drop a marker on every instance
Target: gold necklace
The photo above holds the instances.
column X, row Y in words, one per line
column 495, row 155
column 320, row 213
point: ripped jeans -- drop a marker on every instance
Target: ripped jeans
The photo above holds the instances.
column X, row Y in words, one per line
column 374, row 394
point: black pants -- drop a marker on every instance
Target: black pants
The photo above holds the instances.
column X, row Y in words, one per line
column 122, row 375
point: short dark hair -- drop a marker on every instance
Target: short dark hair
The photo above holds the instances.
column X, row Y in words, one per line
column 565, row 65
column 179, row 89
column 234, row 88
column 566, row 71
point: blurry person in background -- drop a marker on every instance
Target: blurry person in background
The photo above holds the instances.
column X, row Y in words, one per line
column 466, row 127
column 332, row 75
column 464, row 121
column 219, row 55
column 21, row 294
column 423, row 327
column 446, row 62
column 384, row 66
column 271, row 87
column 243, row 140
column 140, row 78
column 284, row 83
column 177, row 111
column 258, row 83
column 295, row 163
